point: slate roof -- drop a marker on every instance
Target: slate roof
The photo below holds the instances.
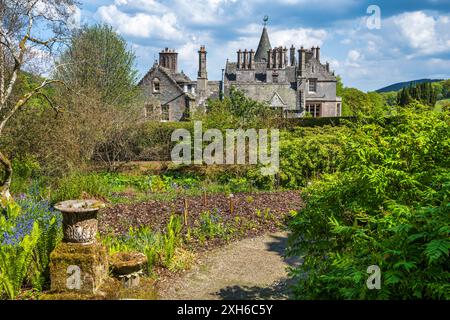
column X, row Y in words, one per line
column 263, row 47
column 178, row 77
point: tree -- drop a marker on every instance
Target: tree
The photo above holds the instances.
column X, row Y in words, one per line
column 98, row 65
column 27, row 26
column 446, row 89
column 98, row 58
column 92, row 126
column 239, row 111
column 424, row 93
column 339, row 86
column 354, row 102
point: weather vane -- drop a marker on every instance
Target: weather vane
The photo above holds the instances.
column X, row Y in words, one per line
column 266, row 18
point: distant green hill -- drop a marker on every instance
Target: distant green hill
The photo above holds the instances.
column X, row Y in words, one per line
column 401, row 85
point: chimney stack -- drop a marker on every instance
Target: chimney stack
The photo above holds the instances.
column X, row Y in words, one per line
column 202, row 80
column 292, row 56
column 202, row 73
column 285, row 57
column 252, row 59
column 318, row 53
column 246, row 59
column 169, row 59
column 239, row 59
column 302, row 60
column 275, row 58
column 269, row 58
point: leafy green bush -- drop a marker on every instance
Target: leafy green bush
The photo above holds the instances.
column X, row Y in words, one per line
column 307, row 153
column 24, row 169
column 387, row 206
column 76, row 185
column 160, row 248
column 210, row 226
column 141, row 240
column 118, row 182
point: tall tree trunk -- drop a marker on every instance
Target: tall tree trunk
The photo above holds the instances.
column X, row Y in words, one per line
column 5, row 195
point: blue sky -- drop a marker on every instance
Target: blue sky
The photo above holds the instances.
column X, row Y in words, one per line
column 413, row 41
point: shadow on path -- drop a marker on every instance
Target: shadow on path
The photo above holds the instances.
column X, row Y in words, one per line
column 281, row 290
column 279, row 245
column 278, row 291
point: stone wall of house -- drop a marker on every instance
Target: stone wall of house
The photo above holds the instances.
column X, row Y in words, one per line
column 264, row 92
column 329, row 109
column 326, row 90
column 169, row 94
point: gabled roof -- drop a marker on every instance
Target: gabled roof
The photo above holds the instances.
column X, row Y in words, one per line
column 277, row 101
column 176, row 77
column 263, row 47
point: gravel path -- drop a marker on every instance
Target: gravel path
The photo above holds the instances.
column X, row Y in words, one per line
column 248, row 269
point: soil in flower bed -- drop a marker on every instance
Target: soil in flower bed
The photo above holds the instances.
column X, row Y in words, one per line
column 253, row 213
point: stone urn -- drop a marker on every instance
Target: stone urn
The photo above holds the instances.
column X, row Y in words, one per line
column 80, row 263
column 128, row 267
column 80, row 222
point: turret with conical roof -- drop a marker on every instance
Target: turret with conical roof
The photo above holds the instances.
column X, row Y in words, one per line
column 264, row 44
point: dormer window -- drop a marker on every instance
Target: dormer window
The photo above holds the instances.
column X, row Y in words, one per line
column 156, row 86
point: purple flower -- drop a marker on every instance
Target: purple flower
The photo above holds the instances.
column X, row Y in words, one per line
column 32, row 210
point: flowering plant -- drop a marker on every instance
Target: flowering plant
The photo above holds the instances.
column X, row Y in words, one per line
column 29, row 231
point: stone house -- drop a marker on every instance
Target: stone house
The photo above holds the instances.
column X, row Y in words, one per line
column 297, row 83
column 172, row 94
column 294, row 81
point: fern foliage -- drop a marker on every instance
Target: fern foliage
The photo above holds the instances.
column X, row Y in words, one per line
column 386, row 205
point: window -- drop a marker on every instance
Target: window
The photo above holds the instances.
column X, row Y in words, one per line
column 165, row 113
column 312, row 85
column 275, row 78
column 338, row 111
column 156, row 85
column 313, row 109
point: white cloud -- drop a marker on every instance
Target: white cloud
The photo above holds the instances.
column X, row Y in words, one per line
column 423, row 32
column 207, row 12
column 340, row 4
column 402, row 49
column 409, row 46
column 39, row 61
column 354, row 55
column 298, row 37
column 152, row 6
column 418, row 29
column 140, row 24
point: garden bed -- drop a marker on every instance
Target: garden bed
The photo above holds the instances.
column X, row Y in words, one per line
column 253, row 214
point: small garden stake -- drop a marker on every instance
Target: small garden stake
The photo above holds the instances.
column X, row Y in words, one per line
column 185, row 212
column 231, row 204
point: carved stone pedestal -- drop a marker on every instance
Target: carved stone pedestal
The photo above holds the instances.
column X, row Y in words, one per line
column 79, row 264
column 78, row 268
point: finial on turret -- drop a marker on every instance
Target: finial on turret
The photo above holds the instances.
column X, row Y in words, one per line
column 266, row 19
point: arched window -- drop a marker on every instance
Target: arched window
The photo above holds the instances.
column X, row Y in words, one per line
column 156, row 85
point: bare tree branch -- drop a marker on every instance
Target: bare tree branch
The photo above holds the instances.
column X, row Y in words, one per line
column 22, row 101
